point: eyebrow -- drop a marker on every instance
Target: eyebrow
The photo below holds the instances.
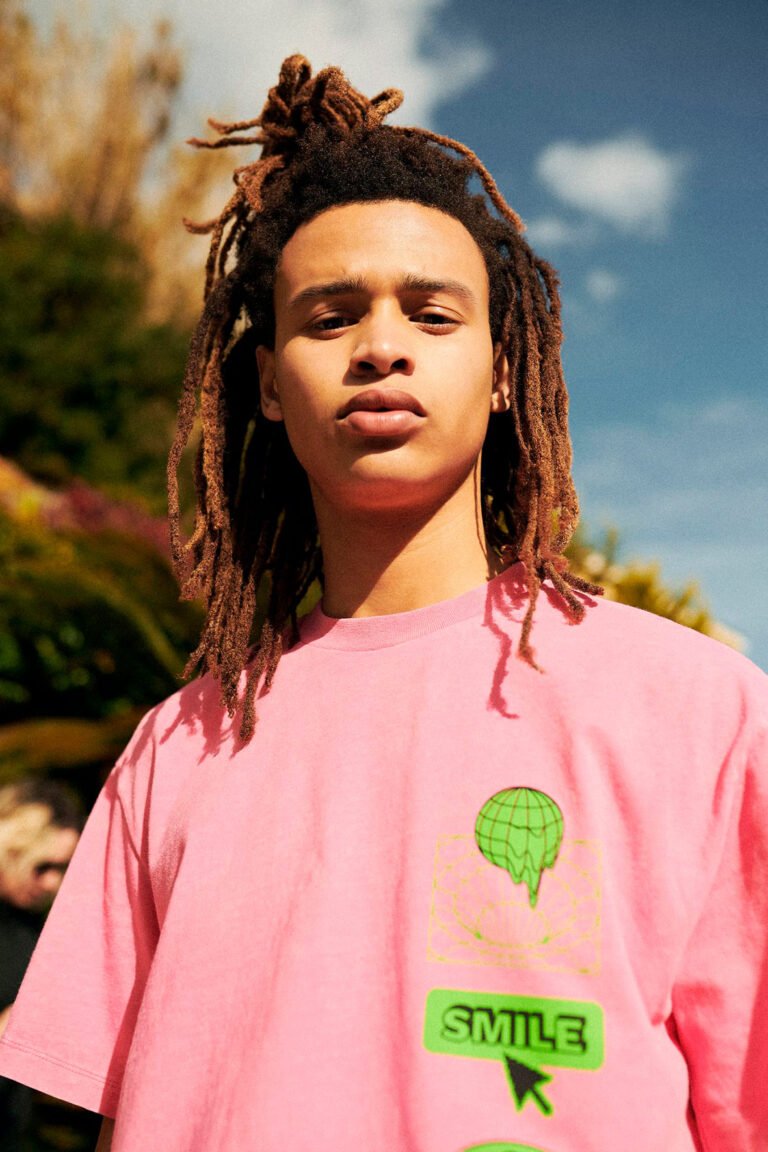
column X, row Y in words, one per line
column 357, row 286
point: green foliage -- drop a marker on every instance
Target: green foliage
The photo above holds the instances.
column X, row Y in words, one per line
column 90, row 624
column 89, row 387
column 91, row 634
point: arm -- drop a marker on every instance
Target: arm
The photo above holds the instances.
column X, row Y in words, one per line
column 720, row 1001
column 72, row 1022
column 105, row 1136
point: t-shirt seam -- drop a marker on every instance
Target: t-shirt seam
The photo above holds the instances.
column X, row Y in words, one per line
column 349, row 645
column 60, row 1063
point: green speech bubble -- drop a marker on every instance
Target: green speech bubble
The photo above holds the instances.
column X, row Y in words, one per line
column 490, row 1026
column 502, row 1146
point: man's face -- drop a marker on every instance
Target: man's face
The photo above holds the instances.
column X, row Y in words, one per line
column 383, row 369
column 34, row 855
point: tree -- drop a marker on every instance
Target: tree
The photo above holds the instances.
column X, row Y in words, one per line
column 91, row 629
column 97, row 292
column 89, row 387
column 106, row 164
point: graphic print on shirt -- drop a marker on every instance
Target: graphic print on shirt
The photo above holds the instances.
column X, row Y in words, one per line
column 520, row 830
column 490, row 906
column 493, row 904
column 501, row 1146
column 522, row 1032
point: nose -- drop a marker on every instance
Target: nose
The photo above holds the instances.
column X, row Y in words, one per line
column 50, row 881
column 384, row 347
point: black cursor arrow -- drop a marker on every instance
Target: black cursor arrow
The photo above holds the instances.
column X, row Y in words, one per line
column 524, row 1082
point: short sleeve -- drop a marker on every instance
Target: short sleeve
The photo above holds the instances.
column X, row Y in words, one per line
column 72, row 1023
column 720, row 999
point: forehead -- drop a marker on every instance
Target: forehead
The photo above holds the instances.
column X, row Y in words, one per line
column 381, row 241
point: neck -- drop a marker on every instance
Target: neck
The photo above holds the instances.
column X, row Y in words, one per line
column 378, row 562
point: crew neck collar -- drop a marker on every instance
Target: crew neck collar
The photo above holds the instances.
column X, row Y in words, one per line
column 364, row 632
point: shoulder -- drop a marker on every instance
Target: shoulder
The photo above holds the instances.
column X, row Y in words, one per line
column 171, row 746
column 193, row 718
column 628, row 650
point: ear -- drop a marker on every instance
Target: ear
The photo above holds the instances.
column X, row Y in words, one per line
column 270, row 400
column 500, row 396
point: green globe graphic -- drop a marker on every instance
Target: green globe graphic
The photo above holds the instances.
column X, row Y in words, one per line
column 521, row 830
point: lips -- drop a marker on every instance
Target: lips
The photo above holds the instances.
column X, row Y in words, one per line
column 381, row 414
column 381, row 400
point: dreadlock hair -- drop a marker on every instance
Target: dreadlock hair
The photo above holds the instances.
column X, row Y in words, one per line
column 255, row 532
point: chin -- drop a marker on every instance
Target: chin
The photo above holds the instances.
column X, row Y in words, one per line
column 381, row 490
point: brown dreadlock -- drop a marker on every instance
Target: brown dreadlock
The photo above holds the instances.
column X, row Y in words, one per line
column 255, row 532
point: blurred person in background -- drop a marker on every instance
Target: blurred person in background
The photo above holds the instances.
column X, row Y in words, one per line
column 40, row 825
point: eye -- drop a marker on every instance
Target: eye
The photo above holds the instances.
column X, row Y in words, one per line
column 331, row 323
column 435, row 320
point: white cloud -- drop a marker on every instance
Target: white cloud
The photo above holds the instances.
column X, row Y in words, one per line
column 625, row 180
column 602, row 285
column 233, row 54
column 555, row 232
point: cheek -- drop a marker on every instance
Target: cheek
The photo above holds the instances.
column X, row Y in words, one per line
column 471, row 389
column 307, row 422
column 302, row 372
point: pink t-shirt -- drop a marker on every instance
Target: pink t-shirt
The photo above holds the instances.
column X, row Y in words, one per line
column 440, row 902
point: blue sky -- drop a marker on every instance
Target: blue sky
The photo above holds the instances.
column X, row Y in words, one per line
column 630, row 139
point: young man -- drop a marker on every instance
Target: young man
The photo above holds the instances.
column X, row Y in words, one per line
column 417, row 887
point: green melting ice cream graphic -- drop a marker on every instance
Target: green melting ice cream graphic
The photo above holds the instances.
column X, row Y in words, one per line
column 521, row 830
